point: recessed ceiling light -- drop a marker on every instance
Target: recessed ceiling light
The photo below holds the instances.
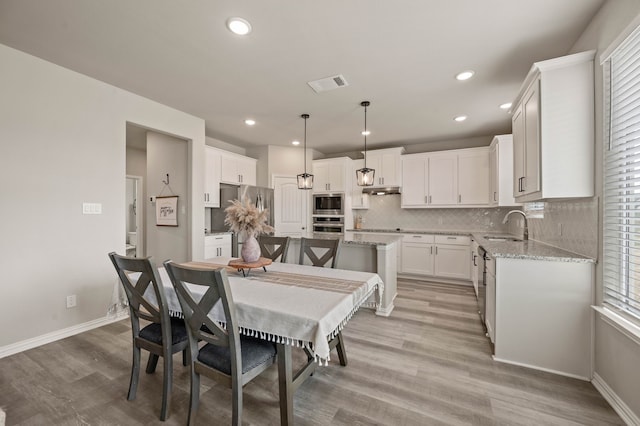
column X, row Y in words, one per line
column 366, row 133
column 249, row 122
column 465, row 75
column 295, row 143
column 239, row 26
column 506, row 106
column 460, row 118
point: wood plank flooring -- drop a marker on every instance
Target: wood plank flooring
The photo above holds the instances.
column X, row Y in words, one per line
column 429, row 363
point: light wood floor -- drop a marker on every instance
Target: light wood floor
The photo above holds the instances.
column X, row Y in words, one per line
column 427, row 364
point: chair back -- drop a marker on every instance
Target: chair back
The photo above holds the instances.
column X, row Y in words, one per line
column 199, row 325
column 136, row 275
column 310, row 246
column 274, row 247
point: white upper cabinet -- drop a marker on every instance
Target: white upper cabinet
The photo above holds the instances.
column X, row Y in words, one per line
column 388, row 166
column 455, row 178
column 211, row 177
column 332, row 175
column 473, row 177
column 237, row 169
column 501, row 172
column 553, row 130
column 358, row 199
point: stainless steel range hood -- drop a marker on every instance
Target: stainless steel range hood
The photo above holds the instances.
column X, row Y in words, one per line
column 389, row 190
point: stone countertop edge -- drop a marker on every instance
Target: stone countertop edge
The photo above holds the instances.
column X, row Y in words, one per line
column 360, row 240
column 208, row 234
column 526, row 250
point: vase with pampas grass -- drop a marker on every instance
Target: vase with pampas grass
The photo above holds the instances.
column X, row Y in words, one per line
column 248, row 221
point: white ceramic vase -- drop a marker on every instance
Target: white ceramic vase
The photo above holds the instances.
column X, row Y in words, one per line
column 250, row 249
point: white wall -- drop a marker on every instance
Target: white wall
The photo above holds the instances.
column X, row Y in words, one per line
column 166, row 155
column 62, row 143
column 616, row 357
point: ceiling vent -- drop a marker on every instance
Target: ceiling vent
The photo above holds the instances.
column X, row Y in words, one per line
column 328, row 83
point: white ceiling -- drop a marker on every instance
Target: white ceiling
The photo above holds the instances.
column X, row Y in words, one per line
column 401, row 55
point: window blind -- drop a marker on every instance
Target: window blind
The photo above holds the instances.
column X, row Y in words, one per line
column 621, row 258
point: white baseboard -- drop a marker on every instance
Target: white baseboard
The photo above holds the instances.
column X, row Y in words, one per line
column 386, row 311
column 628, row 416
column 34, row 342
column 548, row 370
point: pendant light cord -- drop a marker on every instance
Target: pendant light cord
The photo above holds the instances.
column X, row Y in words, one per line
column 365, row 136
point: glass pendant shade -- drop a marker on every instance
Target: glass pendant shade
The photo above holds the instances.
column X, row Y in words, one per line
column 305, row 180
column 364, row 176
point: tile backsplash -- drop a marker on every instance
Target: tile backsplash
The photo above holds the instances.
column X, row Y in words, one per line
column 570, row 225
column 385, row 213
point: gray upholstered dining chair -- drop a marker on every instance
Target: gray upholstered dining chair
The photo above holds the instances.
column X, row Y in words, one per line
column 226, row 357
column 310, row 247
column 274, row 247
column 164, row 337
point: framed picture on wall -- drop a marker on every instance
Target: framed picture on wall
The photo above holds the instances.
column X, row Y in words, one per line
column 167, row 211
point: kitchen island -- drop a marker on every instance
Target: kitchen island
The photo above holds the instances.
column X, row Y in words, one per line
column 367, row 253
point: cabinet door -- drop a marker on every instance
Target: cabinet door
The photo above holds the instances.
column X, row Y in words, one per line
column 490, row 306
column 518, row 151
column 452, row 261
column 320, row 177
column 473, row 177
column 336, row 177
column 391, row 169
column 247, row 171
column 211, row 178
column 531, row 111
column 415, row 181
column 417, row 258
column 493, row 175
column 229, row 170
column 443, row 179
column 374, row 161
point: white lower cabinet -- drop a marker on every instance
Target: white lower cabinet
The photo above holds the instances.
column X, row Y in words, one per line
column 443, row 256
column 217, row 245
column 539, row 314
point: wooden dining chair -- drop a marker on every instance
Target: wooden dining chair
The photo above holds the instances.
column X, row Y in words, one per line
column 164, row 337
column 309, row 248
column 227, row 357
column 274, row 247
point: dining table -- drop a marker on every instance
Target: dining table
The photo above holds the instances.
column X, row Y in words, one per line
column 294, row 306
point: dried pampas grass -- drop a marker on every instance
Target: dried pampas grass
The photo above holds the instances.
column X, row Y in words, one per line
column 244, row 217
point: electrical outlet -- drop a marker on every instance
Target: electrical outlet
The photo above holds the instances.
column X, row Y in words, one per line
column 71, row 301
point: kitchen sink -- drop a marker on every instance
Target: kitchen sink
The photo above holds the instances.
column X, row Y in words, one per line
column 500, row 238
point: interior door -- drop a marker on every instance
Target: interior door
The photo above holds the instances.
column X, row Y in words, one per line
column 291, row 206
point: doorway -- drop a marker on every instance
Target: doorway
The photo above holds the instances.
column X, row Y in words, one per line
column 134, row 232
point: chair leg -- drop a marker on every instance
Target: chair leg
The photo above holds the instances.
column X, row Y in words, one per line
column 195, row 397
column 135, row 373
column 152, row 363
column 236, row 389
column 167, row 381
column 342, row 353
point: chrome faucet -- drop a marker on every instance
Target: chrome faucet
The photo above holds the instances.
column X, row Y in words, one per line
column 525, row 236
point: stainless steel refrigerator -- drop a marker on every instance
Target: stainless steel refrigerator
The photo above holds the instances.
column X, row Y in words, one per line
column 260, row 196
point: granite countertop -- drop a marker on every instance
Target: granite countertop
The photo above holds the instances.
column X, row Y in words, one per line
column 208, row 234
column 531, row 250
column 359, row 239
column 414, row 231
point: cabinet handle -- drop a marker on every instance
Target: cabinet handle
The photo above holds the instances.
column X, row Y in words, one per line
column 474, row 260
column 426, row 199
column 494, row 196
column 436, row 250
column 459, row 198
column 429, row 199
column 382, row 180
column 431, row 251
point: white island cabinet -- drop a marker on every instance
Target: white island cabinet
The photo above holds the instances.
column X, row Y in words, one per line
column 442, row 256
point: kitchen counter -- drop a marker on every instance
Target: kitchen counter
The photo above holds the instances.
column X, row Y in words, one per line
column 350, row 238
column 530, row 249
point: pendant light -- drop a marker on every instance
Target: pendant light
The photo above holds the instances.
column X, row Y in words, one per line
column 365, row 175
column 305, row 180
